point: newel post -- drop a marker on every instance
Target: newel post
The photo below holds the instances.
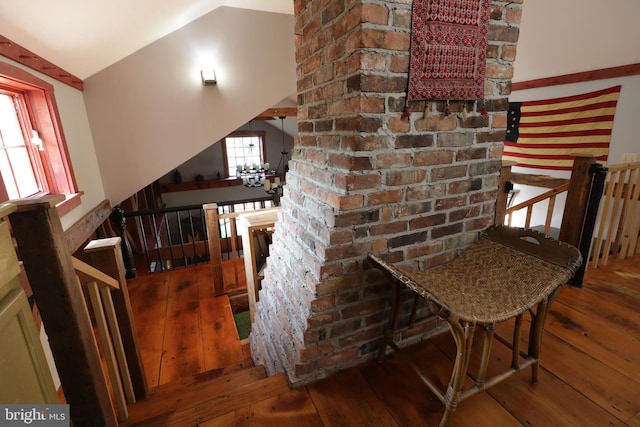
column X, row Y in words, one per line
column 117, row 216
column 106, row 256
column 43, row 249
column 575, row 208
column 213, row 240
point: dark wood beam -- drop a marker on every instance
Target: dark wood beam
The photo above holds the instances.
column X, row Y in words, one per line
column 543, row 181
column 14, row 51
column 274, row 113
column 83, row 229
column 585, row 76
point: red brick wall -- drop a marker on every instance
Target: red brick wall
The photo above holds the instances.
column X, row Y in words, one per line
column 364, row 179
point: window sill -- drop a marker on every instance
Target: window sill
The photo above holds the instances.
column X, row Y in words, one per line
column 70, row 202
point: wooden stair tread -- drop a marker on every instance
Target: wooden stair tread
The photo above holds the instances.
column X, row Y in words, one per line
column 204, row 377
column 205, row 400
column 292, row 408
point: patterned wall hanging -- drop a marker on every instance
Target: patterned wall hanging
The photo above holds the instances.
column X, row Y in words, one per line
column 448, row 49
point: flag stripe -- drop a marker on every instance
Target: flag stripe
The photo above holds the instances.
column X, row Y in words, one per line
column 550, row 156
column 612, row 91
column 603, row 146
column 588, row 132
column 595, row 139
column 561, row 120
column 570, row 107
column 549, row 132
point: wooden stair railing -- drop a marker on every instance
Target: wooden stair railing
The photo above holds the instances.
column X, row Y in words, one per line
column 101, row 289
column 618, row 220
column 504, row 213
column 51, row 271
column 213, row 222
column 529, row 204
column 98, row 287
column 43, row 250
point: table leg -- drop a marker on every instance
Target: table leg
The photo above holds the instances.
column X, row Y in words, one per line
column 463, row 337
column 393, row 320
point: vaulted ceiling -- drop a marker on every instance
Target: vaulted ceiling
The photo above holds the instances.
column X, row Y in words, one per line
column 85, row 36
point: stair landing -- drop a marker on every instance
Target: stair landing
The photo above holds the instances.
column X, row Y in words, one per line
column 183, row 329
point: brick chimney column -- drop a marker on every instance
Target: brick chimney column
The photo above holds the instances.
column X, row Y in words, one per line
column 364, row 179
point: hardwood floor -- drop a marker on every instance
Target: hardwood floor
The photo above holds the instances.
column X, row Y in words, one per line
column 202, row 375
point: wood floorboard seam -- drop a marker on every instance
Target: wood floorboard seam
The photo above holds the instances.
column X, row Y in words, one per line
column 578, row 394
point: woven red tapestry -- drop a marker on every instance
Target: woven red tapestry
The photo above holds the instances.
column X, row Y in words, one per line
column 448, row 49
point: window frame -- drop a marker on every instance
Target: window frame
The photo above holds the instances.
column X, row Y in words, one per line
column 39, row 98
column 244, row 133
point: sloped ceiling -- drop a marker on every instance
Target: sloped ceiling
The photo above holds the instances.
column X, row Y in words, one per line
column 149, row 111
column 85, row 36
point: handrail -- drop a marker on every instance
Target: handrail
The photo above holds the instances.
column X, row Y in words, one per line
column 529, row 204
column 87, row 273
column 174, row 237
column 193, row 207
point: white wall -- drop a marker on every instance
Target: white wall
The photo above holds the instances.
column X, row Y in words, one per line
column 571, row 36
column 149, row 112
column 210, row 161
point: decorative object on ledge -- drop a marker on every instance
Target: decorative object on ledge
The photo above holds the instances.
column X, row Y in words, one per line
column 448, row 49
column 14, row 51
column 275, row 189
column 177, row 176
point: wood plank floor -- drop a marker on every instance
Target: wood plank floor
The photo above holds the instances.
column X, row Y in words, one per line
column 590, row 372
column 183, row 329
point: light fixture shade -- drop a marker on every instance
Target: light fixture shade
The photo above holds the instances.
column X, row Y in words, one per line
column 208, row 77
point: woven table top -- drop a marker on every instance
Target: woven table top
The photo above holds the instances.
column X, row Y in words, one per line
column 492, row 281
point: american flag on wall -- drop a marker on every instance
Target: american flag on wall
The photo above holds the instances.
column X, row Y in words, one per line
column 547, row 134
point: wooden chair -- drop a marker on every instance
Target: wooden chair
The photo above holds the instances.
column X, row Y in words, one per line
column 505, row 274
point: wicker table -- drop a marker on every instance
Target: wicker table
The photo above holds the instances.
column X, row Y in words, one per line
column 505, row 274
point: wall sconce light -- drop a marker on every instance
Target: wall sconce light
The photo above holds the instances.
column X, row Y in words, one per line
column 208, row 77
